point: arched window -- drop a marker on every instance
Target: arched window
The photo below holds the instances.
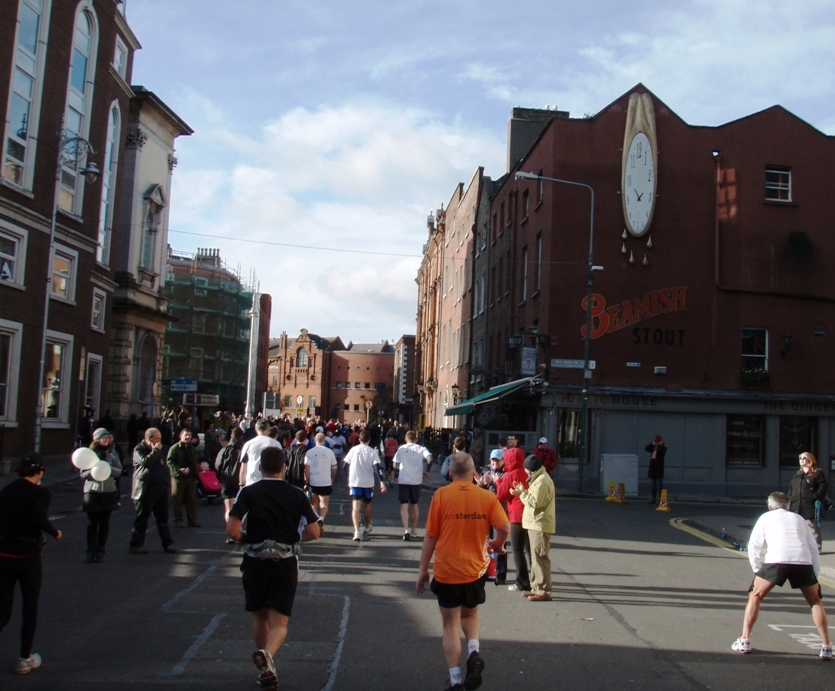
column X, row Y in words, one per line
column 79, row 99
column 156, row 203
column 108, row 184
column 24, row 108
column 301, row 358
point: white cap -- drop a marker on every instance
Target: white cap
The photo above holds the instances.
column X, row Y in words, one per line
column 543, row 440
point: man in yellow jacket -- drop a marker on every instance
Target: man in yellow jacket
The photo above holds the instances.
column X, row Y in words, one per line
column 540, row 520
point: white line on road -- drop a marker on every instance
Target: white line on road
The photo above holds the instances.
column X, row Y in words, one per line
column 811, row 639
column 337, row 656
column 180, row 667
column 197, row 581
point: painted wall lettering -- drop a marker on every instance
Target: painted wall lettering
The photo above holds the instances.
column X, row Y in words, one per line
column 622, row 315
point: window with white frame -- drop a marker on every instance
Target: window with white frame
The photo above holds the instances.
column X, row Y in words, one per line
column 79, row 100
column 99, row 304
column 539, row 262
column 57, row 378
column 120, row 58
column 108, row 184
column 10, row 339
column 64, row 268
column 23, row 111
column 301, row 358
column 12, row 255
column 92, row 390
column 755, row 350
column 524, row 274
column 778, row 184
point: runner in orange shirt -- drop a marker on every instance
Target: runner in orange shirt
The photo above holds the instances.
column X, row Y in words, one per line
column 457, row 533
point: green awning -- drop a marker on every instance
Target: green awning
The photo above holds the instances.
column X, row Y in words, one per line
column 494, row 394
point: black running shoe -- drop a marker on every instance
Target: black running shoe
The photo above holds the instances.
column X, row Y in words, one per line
column 475, row 666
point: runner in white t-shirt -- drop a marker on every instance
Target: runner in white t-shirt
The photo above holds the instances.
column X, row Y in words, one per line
column 251, row 453
column 363, row 468
column 319, row 471
column 409, row 461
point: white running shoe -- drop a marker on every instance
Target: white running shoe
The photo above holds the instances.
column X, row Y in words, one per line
column 369, row 528
column 27, row 664
column 357, row 535
column 826, row 652
column 742, row 645
column 413, row 534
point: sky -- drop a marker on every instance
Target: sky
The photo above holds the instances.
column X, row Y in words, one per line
column 326, row 131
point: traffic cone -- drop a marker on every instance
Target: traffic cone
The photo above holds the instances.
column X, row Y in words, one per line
column 612, row 496
column 621, row 495
column 663, row 505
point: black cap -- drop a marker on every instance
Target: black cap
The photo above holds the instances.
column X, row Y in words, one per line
column 30, row 464
column 533, row 463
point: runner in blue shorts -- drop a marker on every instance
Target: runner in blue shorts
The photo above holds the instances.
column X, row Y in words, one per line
column 363, row 469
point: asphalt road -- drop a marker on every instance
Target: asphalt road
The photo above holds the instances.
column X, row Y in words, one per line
column 638, row 604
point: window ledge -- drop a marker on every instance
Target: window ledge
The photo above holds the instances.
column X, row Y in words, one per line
column 96, row 329
column 57, row 424
column 12, row 284
column 17, row 188
column 8, row 424
column 66, row 301
column 535, row 294
column 780, row 202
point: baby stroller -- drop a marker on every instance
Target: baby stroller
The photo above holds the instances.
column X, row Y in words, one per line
column 208, row 485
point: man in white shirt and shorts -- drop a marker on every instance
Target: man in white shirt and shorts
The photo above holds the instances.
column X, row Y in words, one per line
column 409, row 461
column 363, row 469
column 250, row 471
column 319, row 471
column 790, row 553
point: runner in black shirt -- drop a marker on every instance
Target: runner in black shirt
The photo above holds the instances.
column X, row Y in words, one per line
column 278, row 516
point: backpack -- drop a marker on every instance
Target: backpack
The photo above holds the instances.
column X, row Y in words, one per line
column 227, row 463
column 295, row 465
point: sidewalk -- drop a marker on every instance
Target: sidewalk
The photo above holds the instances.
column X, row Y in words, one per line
column 58, row 469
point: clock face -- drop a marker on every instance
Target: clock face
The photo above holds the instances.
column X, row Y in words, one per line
column 639, row 184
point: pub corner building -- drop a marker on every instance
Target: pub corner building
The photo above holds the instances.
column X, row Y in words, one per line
column 712, row 311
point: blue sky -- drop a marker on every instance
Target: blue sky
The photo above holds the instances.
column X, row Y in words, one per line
column 338, row 125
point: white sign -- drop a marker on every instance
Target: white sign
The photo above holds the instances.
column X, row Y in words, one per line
column 369, row 405
column 184, row 385
column 528, row 368
column 573, row 364
column 299, row 401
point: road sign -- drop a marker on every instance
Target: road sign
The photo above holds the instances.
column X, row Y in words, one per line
column 369, row 405
column 572, row 364
column 299, row 401
column 184, row 385
column 203, row 399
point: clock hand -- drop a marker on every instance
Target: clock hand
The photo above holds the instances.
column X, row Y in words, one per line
column 637, row 195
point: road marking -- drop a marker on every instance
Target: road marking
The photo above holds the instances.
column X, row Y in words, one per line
column 180, row 667
column 337, row 655
column 811, row 639
column 197, row 581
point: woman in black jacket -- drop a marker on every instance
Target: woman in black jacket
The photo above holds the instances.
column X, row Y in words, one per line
column 24, row 510
column 807, row 487
column 658, row 449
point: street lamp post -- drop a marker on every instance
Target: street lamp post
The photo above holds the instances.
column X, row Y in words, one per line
column 72, row 150
column 584, row 410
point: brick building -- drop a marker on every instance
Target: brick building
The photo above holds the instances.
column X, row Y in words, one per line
column 65, row 72
column 712, row 313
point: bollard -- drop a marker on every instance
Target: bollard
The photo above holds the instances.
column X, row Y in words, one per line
column 612, row 496
column 664, row 505
column 621, row 495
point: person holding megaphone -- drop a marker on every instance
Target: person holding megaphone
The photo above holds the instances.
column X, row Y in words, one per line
column 100, row 494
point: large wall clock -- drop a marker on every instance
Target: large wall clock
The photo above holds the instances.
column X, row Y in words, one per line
column 640, row 165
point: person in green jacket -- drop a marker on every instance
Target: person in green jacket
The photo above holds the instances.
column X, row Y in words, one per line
column 540, row 520
column 182, row 463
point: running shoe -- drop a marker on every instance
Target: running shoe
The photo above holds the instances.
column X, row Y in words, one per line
column 743, row 645
column 369, row 528
column 264, row 661
column 357, row 535
column 514, row 588
column 826, row 652
column 475, row 666
column 413, row 534
column 27, row 664
column 453, row 687
column 406, row 536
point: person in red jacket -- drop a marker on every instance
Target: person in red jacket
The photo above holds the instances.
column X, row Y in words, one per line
column 514, row 465
column 547, row 455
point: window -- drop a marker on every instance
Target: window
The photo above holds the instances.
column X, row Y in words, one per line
column 568, row 433
column 339, row 385
column 356, row 385
column 754, row 356
column 120, row 58
column 301, row 358
column 367, row 385
column 541, row 188
column 12, row 256
column 526, row 204
column 99, row 303
column 64, row 263
column 79, row 100
column 93, row 385
column 539, row 262
column 288, row 403
column 356, row 406
column 313, row 403
column 506, row 273
column 55, row 388
column 745, row 445
column 524, row 274
column 10, row 340
column 778, row 184
column 108, row 184
column 25, row 93
column 798, row 433
column 155, row 202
